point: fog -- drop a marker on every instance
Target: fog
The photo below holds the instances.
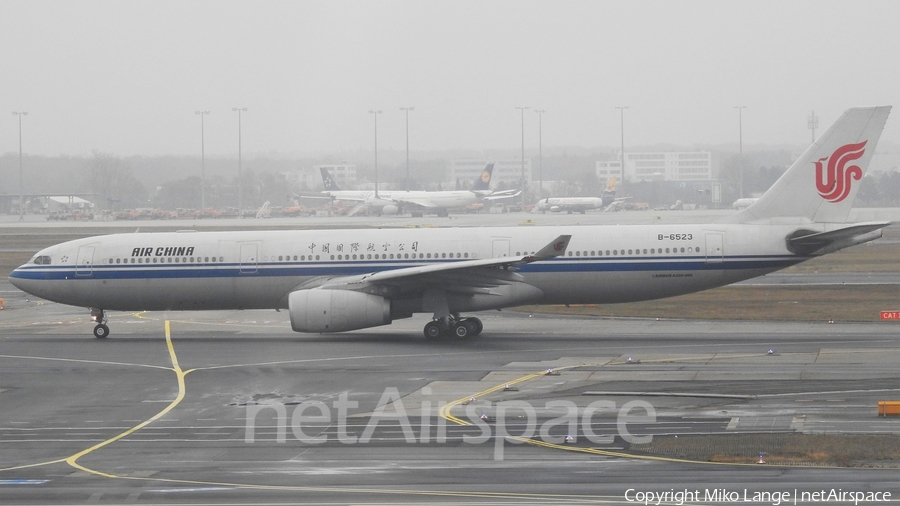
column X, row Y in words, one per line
column 127, row 77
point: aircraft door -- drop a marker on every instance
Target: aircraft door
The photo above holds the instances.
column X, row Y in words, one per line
column 501, row 248
column 714, row 251
column 249, row 258
column 84, row 262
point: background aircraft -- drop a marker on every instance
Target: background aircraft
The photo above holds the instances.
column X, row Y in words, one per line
column 606, row 201
column 396, row 201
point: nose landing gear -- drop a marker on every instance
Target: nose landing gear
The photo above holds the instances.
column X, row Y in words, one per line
column 101, row 330
column 453, row 326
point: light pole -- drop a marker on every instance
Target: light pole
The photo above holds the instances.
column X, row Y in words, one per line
column 202, row 162
column 522, row 109
column 540, row 113
column 812, row 122
column 239, row 182
column 621, row 109
column 21, row 176
column 407, row 109
column 375, row 114
column 740, row 109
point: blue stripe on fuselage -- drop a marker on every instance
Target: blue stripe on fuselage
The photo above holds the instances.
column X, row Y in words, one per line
column 357, row 268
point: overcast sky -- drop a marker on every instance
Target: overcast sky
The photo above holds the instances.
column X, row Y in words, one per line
column 127, row 77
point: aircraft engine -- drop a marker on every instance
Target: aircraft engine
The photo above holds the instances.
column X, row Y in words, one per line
column 390, row 209
column 336, row 310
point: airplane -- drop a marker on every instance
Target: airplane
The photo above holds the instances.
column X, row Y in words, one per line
column 606, row 201
column 392, row 201
column 341, row 280
column 568, row 204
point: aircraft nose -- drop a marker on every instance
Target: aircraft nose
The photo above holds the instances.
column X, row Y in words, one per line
column 14, row 277
column 19, row 278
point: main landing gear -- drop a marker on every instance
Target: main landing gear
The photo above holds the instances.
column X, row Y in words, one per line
column 453, row 326
column 101, row 330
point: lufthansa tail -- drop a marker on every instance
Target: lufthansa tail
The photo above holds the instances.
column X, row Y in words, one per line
column 821, row 185
column 484, row 182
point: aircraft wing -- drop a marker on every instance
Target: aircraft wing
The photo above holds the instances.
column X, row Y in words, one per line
column 464, row 275
column 506, row 194
column 421, row 202
column 345, row 198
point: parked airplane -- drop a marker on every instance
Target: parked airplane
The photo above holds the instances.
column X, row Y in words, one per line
column 568, row 204
column 606, row 201
column 338, row 280
column 392, row 201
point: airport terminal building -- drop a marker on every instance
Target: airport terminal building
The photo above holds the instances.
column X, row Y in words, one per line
column 665, row 166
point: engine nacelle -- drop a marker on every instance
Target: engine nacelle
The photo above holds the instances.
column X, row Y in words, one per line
column 390, row 209
column 336, row 310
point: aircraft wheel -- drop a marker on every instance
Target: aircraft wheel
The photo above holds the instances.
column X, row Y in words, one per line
column 478, row 325
column 465, row 329
column 433, row 330
column 101, row 331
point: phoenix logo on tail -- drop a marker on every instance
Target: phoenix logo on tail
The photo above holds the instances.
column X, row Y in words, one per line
column 834, row 185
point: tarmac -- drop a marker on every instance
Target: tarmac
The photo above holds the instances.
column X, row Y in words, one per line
column 234, row 408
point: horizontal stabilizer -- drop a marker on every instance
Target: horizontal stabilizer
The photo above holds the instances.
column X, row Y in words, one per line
column 807, row 241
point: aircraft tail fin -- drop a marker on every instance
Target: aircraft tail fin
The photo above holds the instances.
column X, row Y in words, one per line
column 484, row 182
column 328, row 181
column 821, row 185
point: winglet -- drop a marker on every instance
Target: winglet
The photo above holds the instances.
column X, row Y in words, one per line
column 556, row 248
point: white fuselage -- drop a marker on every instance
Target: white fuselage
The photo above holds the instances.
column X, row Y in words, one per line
column 569, row 204
column 259, row 269
column 434, row 199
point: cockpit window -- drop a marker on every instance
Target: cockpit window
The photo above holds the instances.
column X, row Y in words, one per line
column 42, row 260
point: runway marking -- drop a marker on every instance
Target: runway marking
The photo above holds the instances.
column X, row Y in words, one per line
column 82, row 361
column 444, row 412
column 180, row 375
